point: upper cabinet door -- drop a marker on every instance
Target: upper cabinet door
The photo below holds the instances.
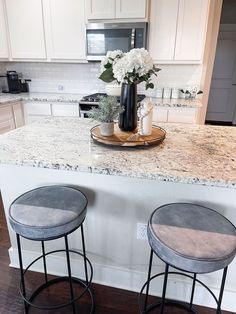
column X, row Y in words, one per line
column 130, row 9
column 65, row 29
column 162, row 29
column 26, row 30
column 191, row 29
column 3, row 33
column 101, row 9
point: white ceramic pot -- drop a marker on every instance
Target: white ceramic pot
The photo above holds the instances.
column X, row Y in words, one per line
column 113, row 89
column 107, row 129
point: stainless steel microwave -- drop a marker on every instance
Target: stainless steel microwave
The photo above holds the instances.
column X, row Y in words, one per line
column 102, row 37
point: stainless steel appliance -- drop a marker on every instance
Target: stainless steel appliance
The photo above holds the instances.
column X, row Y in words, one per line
column 91, row 101
column 11, row 83
column 102, row 37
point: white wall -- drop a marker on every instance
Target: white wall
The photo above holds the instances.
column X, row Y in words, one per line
column 83, row 78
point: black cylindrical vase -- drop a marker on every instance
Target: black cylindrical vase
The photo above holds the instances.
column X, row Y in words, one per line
column 128, row 99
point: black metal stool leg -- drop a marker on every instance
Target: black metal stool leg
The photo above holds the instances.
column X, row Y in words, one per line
column 84, row 253
column 44, row 262
column 164, row 288
column 69, row 272
column 222, row 290
column 148, row 280
column 21, row 271
column 193, row 289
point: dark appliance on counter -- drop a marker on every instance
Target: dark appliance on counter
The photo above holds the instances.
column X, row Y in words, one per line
column 11, row 83
column 91, row 101
column 102, row 37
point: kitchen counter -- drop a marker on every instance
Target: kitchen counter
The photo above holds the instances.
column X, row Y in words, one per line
column 192, row 154
column 75, row 98
column 194, row 164
column 50, row 97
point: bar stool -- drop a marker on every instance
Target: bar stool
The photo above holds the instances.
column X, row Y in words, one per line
column 191, row 238
column 45, row 214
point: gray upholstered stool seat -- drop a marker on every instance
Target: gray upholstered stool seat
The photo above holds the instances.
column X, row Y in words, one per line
column 48, row 212
column 44, row 214
column 192, row 237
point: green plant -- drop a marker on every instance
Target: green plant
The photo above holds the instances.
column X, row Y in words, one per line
column 107, row 111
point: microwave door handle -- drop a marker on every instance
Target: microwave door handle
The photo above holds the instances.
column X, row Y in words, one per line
column 132, row 38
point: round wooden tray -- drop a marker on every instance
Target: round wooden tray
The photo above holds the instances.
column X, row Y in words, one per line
column 129, row 139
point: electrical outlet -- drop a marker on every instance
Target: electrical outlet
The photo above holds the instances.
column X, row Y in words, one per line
column 141, row 231
column 60, row 87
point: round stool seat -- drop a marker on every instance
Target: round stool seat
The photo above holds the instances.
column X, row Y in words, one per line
column 191, row 237
column 48, row 212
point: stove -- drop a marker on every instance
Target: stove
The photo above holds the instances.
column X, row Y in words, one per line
column 91, row 101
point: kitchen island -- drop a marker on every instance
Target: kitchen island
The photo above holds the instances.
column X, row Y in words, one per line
column 123, row 185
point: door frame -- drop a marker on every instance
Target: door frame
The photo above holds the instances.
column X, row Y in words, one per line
column 209, row 54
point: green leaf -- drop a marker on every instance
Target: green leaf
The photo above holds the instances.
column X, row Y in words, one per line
column 107, row 76
column 108, row 65
column 156, row 69
column 149, row 85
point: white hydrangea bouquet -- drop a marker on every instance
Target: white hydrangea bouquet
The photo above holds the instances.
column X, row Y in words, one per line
column 132, row 67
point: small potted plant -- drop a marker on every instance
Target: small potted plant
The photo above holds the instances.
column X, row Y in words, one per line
column 107, row 111
column 191, row 93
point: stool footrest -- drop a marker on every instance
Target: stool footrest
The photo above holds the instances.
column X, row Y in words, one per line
column 173, row 302
column 51, row 282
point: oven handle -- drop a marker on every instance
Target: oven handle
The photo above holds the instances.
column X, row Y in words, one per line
column 132, row 38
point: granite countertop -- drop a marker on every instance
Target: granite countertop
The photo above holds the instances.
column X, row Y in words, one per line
column 54, row 97
column 75, row 98
column 193, row 154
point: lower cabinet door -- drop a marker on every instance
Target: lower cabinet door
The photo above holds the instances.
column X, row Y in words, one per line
column 160, row 115
column 182, row 115
column 65, row 110
column 7, row 126
column 18, row 115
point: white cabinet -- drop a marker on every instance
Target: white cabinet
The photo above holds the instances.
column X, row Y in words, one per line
column 182, row 115
column 178, row 30
column 163, row 19
column 131, row 9
column 26, row 29
column 38, row 110
column 3, row 33
column 65, row 29
column 65, row 110
column 101, row 9
column 191, row 29
column 175, row 115
column 116, row 9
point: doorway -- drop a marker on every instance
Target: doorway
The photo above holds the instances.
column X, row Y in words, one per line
column 222, row 97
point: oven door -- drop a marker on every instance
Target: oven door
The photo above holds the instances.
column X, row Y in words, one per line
column 110, row 36
column 84, row 109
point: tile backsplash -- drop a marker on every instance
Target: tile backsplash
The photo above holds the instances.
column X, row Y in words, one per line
column 83, row 78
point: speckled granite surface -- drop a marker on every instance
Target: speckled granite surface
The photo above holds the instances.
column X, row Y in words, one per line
column 75, row 98
column 191, row 154
column 190, row 103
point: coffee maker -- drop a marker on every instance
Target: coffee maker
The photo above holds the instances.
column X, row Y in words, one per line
column 12, row 84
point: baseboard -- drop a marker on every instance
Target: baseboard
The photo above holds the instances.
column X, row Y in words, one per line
column 178, row 287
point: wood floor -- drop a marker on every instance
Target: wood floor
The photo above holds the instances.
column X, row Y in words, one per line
column 108, row 300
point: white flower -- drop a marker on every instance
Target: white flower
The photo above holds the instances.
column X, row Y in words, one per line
column 136, row 61
column 110, row 57
column 135, row 66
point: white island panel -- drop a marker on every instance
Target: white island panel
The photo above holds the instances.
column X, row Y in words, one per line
column 123, row 187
